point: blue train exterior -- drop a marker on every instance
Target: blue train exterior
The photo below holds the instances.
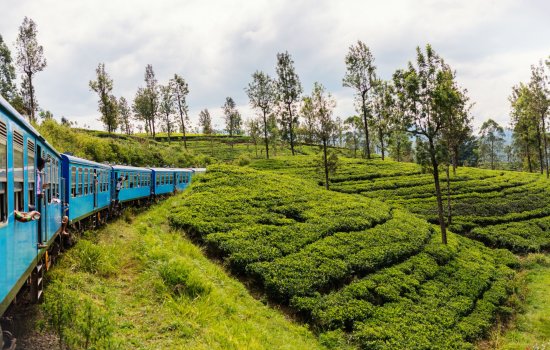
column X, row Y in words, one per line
column 182, row 178
column 163, row 181
column 20, row 147
column 86, row 188
column 137, row 183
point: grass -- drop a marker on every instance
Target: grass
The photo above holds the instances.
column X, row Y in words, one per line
column 153, row 289
column 531, row 328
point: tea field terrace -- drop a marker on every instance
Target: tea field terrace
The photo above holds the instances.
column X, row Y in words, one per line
column 500, row 208
column 355, row 268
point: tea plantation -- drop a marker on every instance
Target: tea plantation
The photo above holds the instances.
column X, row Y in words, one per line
column 355, row 268
column 502, row 209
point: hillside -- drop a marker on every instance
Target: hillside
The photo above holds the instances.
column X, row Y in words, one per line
column 361, row 264
column 136, row 284
column 352, row 267
column 502, row 209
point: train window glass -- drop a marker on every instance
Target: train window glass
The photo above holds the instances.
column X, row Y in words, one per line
column 93, row 178
column 85, row 181
column 18, row 196
column 30, row 172
column 106, row 179
column 73, row 182
column 18, row 175
column 158, row 178
column 80, row 182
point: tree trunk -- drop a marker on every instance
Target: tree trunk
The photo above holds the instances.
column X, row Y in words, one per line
column 290, row 129
column 367, row 143
column 438, row 192
column 542, row 117
column 184, row 138
column 354, row 147
column 398, row 150
column 455, row 159
column 265, row 137
column 449, row 212
column 381, row 136
column 529, row 157
column 539, row 145
column 326, row 163
column 492, row 155
column 31, row 95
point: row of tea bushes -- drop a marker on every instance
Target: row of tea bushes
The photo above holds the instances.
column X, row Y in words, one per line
column 346, row 262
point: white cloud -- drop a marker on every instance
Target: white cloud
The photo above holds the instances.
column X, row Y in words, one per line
column 217, row 45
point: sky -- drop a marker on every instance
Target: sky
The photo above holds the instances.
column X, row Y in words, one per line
column 217, row 45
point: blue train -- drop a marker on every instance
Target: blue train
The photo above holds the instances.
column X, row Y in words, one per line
column 39, row 187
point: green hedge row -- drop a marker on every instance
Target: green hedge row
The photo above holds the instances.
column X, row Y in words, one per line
column 346, row 262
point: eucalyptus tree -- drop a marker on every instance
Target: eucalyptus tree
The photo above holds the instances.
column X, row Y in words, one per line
column 180, row 90
column 323, row 107
column 254, row 131
column 361, row 76
column 353, row 126
column 492, row 141
column 8, row 89
column 288, row 90
column 125, row 116
column 383, row 108
column 524, row 124
column 30, row 60
column 152, row 98
column 261, row 92
column 107, row 103
column 454, row 103
column 232, row 117
column 307, row 113
column 167, row 108
column 419, row 89
column 540, row 104
column 205, row 121
column 142, row 108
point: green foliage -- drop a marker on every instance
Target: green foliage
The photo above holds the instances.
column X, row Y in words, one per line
column 502, row 209
column 181, row 279
column 354, row 267
column 77, row 320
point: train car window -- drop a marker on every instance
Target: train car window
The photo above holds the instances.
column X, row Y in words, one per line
column 18, row 176
column 73, row 181
column 3, row 172
column 30, row 173
column 157, row 178
column 85, row 181
column 80, row 182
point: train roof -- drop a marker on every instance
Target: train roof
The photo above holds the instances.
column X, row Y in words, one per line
column 25, row 124
column 171, row 169
column 130, row 168
column 83, row 161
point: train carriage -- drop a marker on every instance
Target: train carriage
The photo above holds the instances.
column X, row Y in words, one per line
column 136, row 185
column 182, row 178
column 23, row 244
column 163, row 181
column 88, row 187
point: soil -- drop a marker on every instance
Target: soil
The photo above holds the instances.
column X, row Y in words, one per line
column 20, row 320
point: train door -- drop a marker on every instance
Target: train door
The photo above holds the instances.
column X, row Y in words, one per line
column 94, row 187
column 40, row 193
